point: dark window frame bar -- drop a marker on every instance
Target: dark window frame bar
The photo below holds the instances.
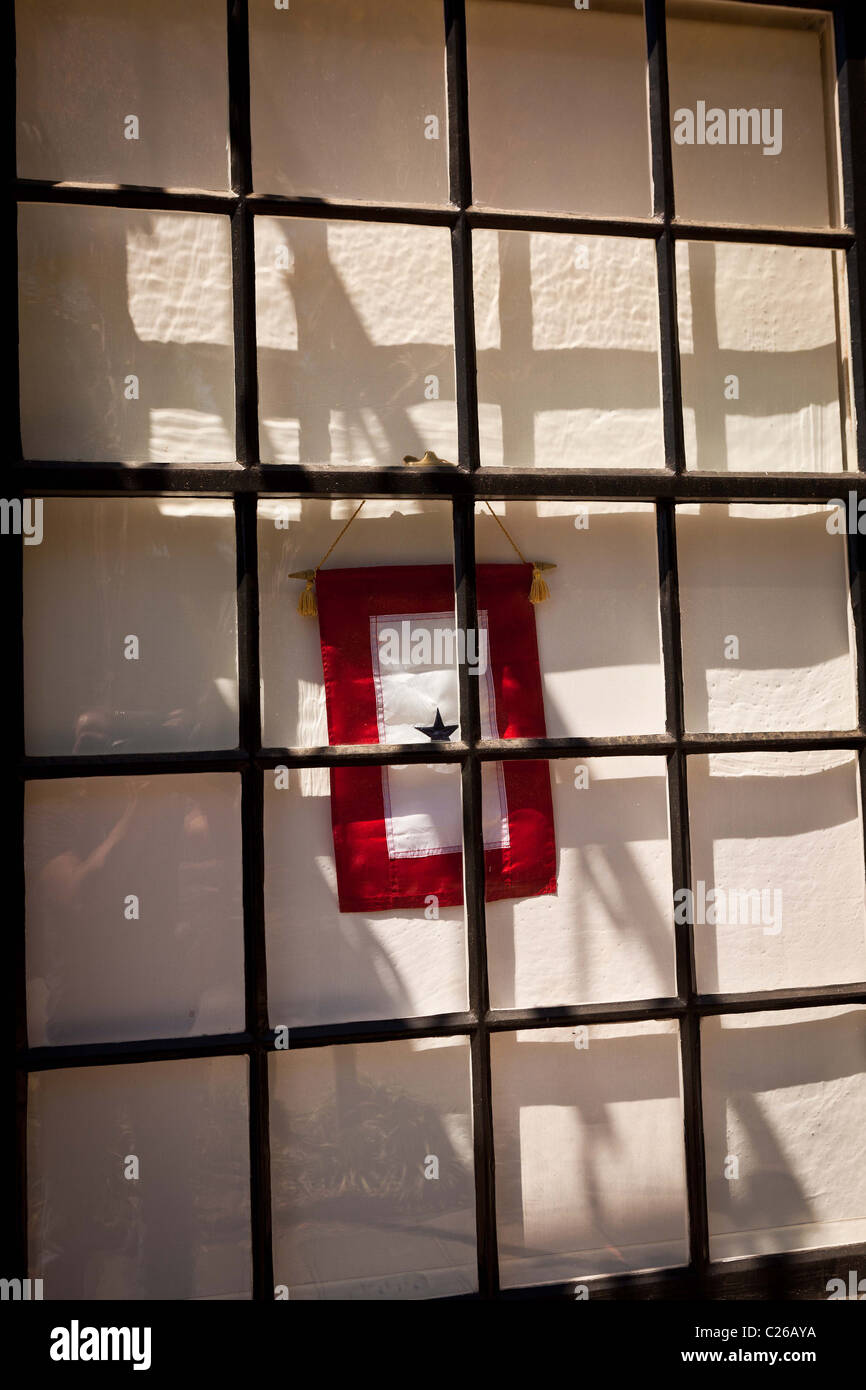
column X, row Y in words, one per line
column 765, row 1276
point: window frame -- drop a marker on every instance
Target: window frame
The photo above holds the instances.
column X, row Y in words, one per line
column 789, row 1274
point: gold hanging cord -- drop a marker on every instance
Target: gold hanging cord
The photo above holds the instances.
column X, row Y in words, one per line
column 307, row 602
column 538, row 591
column 308, row 608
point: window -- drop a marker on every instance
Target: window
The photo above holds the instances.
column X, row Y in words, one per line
column 492, row 231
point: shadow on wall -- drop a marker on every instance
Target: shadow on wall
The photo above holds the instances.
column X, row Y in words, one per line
column 356, row 357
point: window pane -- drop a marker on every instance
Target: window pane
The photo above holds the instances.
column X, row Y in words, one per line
column 180, row 1229
column 348, row 100
column 777, row 870
column 765, row 355
column 590, row 1174
column 371, row 1171
column 125, row 335
column 355, row 341
column 294, row 536
column 752, row 114
column 331, row 958
column 766, row 622
column 130, row 627
column 607, row 933
column 134, row 93
column 558, row 107
column 785, row 1096
column 568, row 351
column 599, row 645
column 134, row 918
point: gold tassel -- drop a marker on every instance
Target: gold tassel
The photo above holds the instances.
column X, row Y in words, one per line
column 307, row 606
column 539, row 591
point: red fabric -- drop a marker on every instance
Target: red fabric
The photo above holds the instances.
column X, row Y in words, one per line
column 367, row 879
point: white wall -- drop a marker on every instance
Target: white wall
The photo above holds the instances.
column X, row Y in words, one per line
column 106, row 294
column 785, row 1095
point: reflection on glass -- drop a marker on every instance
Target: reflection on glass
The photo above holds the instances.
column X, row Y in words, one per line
column 568, row 342
column 125, row 335
column 777, row 869
column 157, row 111
column 134, row 920
column 348, row 100
column 558, row 107
column 130, row 627
column 608, row 931
column 784, row 1112
column 371, row 1171
column 753, row 123
column 590, row 1170
column 179, row 1228
column 766, row 621
column 763, row 335
column 355, row 341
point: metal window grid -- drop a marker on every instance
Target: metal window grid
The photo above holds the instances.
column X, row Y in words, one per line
column 790, row 1274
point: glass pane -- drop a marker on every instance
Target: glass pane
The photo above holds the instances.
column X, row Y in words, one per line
column 371, row 1171
column 384, row 537
column 752, row 99
column 607, row 933
column 777, row 870
column 363, row 312
column 567, row 335
column 134, row 917
column 558, row 107
column 348, row 100
column 590, row 1173
column 130, row 627
column 784, row 1113
column 134, row 93
column 766, row 620
column 598, row 635
column 138, row 1181
column 765, row 355
column 125, row 335
column 377, row 931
